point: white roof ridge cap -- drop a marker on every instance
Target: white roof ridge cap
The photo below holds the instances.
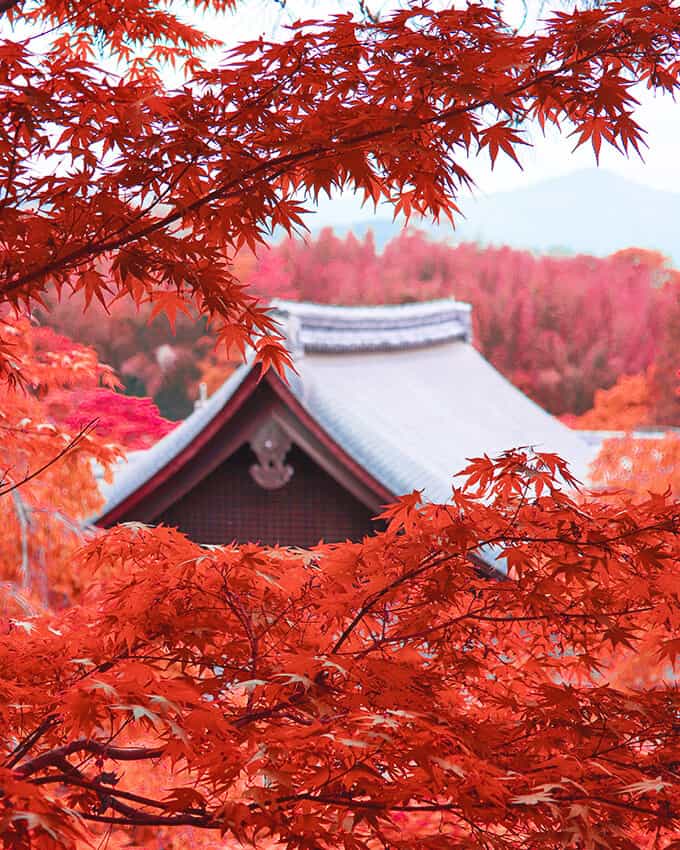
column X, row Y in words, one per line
column 432, row 306
column 328, row 327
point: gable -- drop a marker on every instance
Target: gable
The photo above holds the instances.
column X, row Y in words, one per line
column 223, row 485
column 229, row 504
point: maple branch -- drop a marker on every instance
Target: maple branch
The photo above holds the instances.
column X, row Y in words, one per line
column 558, row 615
column 147, row 819
column 236, row 186
column 24, row 746
column 350, row 802
column 605, row 543
column 263, row 97
column 142, row 819
column 112, row 797
column 53, row 757
column 236, row 607
column 106, row 790
column 481, row 617
column 634, row 738
column 368, row 604
column 84, row 432
column 627, row 806
column 435, row 561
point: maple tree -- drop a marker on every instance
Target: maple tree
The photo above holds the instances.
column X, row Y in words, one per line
column 383, row 693
column 150, row 358
column 132, row 423
column 151, row 186
column 639, row 464
column 43, row 457
column 60, row 420
column 537, row 319
column 664, row 386
column 305, row 699
column 623, row 407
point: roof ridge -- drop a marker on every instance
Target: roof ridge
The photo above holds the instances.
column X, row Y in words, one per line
column 334, row 328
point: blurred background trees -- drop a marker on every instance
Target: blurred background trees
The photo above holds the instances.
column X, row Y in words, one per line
column 561, row 328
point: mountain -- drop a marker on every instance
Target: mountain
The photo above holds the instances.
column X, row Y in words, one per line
column 590, row 211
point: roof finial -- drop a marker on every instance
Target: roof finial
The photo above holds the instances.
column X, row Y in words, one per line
column 202, row 395
column 291, row 329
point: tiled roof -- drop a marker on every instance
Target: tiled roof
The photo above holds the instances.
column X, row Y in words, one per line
column 412, row 418
column 409, row 413
column 327, row 328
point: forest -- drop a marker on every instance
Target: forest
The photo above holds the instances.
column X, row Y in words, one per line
column 386, row 693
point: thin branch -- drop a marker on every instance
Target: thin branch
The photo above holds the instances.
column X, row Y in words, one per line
column 72, row 444
column 444, row 807
column 479, row 616
column 53, row 757
column 24, row 746
column 437, row 559
column 368, row 604
column 22, row 516
column 80, row 781
column 151, row 820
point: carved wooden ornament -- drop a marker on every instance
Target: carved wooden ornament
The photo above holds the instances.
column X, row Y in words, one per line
column 271, row 445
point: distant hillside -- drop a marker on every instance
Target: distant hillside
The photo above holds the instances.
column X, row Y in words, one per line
column 590, row 211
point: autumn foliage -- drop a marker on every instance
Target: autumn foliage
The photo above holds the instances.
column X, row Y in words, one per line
column 43, row 457
column 130, row 422
column 560, row 328
column 639, row 464
column 623, row 407
column 156, row 185
column 496, row 672
column 151, row 358
column 539, row 320
column 320, row 695
column 638, row 460
column 60, row 420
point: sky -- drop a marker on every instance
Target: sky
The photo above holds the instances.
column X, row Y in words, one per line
column 551, row 156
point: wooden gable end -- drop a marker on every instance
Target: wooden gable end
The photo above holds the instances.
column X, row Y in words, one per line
column 228, row 504
column 214, row 492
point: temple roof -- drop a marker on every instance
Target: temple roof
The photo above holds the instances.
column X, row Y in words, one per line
column 399, row 389
column 327, row 328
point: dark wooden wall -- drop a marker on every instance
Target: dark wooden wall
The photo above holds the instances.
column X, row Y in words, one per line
column 228, row 505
